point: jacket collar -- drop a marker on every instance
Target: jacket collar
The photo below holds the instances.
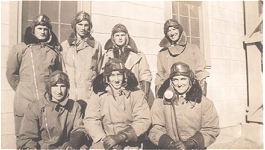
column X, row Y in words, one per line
column 165, row 42
column 122, row 91
column 89, row 40
column 67, row 104
column 63, row 103
column 30, row 38
column 131, row 45
column 194, row 94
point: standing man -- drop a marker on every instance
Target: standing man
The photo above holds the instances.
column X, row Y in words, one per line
column 81, row 53
column 176, row 49
column 182, row 117
column 55, row 121
column 118, row 114
column 30, row 63
column 123, row 47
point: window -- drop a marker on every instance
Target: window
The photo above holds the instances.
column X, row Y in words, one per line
column 61, row 14
column 187, row 13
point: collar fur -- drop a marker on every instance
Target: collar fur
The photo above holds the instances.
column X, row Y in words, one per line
column 131, row 45
column 165, row 42
column 194, row 94
column 124, row 55
column 30, row 38
column 72, row 38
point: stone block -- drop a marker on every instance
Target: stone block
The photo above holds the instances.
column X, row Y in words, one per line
column 214, row 69
column 5, row 34
column 220, row 107
column 5, row 8
column 214, row 38
column 216, row 14
column 107, row 8
column 4, row 55
column 152, row 46
column 152, row 60
column 225, row 51
column 5, row 85
column 215, row 51
column 105, row 22
column 141, row 44
column 230, row 120
column 214, row 3
column 7, row 99
column 154, row 4
column 218, row 26
column 101, row 38
column 211, row 92
column 242, row 80
column 7, row 124
column 8, row 141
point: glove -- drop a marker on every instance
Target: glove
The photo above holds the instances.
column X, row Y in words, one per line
column 177, row 145
column 190, row 144
column 65, row 146
column 166, row 142
column 77, row 139
column 145, row 86
column 195, row 142
column 113, row 140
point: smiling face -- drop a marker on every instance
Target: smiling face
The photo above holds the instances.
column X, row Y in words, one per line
column 181, row 83
column 173, row 34
column 116, row 79
column 41, row 32
column 58, row 92
column 120, row 38
column 82, row 28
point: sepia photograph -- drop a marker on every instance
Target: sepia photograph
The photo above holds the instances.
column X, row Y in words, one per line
column 132, row 74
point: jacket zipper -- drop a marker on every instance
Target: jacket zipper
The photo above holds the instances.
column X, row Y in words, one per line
column 75, row 70
column 46, row 124
column 34, row 73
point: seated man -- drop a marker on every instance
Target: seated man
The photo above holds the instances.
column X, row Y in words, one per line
column 182, row 117
column 55, row 121
column 118, row 114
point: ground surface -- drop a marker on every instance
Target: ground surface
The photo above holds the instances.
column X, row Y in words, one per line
column 240, row 143
column 246, row 136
